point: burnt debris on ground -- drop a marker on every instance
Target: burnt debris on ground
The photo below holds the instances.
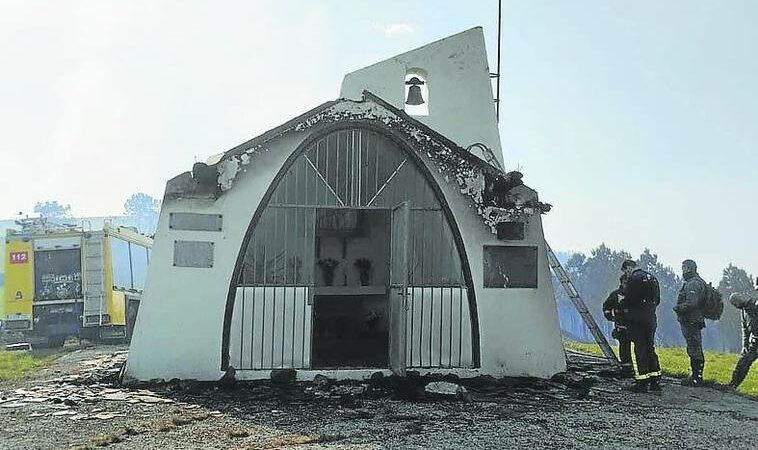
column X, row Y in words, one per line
column 98, row 381
column 79, row 401
column 585, row 371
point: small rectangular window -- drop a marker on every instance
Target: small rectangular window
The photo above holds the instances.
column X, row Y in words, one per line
column 510, row 267
column 139, row 265
column 122, row 270
column 511, row 231
column 57, row 274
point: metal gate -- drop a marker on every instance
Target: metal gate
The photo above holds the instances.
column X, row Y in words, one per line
column 274, row 328
column 347, row 169
column 439, row 328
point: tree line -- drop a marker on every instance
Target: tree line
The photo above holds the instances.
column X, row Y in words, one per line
column 140, row 211
column 597, row 274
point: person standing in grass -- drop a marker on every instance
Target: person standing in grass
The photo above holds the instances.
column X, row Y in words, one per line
column 749, row 306
column 642, row 295
column 689, row 313
column 613, row 312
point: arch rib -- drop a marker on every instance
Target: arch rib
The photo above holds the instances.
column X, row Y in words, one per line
column 407, row 148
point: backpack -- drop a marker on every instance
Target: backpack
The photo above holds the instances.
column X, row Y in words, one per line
column 642, row 290
column 713, row 303
column 656, row 291
column 653, row 289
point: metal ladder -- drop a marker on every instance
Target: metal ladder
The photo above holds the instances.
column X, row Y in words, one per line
column 581, row 308
column 94, row 279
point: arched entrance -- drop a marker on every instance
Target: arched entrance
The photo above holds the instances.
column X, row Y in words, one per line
column 353, row 260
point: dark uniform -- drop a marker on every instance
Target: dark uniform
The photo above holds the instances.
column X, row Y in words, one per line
column 749, row 306
column 690, row 315
column 641, row 297
column 613, row 312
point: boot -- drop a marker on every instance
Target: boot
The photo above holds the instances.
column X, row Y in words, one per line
column 639, row 386
column 697, row 373
column 739, row 374
column 655, row 385
column 696, row 380
column 627, row 371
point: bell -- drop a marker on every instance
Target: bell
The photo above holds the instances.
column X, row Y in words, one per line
column 414, row 96
column 414, row 92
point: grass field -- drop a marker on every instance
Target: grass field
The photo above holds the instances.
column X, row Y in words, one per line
column 675, row 363
column 15, row 365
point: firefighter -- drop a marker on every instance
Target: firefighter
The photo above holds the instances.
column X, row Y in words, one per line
column 614, row 313
column 749, row 306
column 689, row 313
column 641, row 297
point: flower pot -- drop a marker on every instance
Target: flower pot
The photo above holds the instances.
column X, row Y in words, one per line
column 328, row 273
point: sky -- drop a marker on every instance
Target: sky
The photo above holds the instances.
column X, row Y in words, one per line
column 636, row 120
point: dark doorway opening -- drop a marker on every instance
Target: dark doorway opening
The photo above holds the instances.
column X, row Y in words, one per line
column 351, row 331
column 350, row 311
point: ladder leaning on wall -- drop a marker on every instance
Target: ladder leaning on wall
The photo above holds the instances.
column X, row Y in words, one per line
column 581, row 308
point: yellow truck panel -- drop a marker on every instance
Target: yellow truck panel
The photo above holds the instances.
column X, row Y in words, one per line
column 115, row 300
column 19, row 277
column 110, row 294
column 117, row 308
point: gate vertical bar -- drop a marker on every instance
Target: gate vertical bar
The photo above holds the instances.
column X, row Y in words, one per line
column 252, row 331
column 284, row 322
column 294, row 314
column 266, row 220
column 460, row 327
column 442, row 314
column 263, row 328
column 431, row 325
column 306, row 294
column 273, row 323
column 242, row 323
column 450, row 344
column 421, row 332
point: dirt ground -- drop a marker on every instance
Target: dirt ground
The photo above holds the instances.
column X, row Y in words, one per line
column 76, row 403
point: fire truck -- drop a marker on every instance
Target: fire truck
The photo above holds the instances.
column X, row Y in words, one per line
column 62, row 281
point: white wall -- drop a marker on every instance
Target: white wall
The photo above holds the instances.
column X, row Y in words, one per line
column 519, row 328
column 461, row 102
column 179, row 325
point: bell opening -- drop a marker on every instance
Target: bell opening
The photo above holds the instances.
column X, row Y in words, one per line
column 416, row 93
